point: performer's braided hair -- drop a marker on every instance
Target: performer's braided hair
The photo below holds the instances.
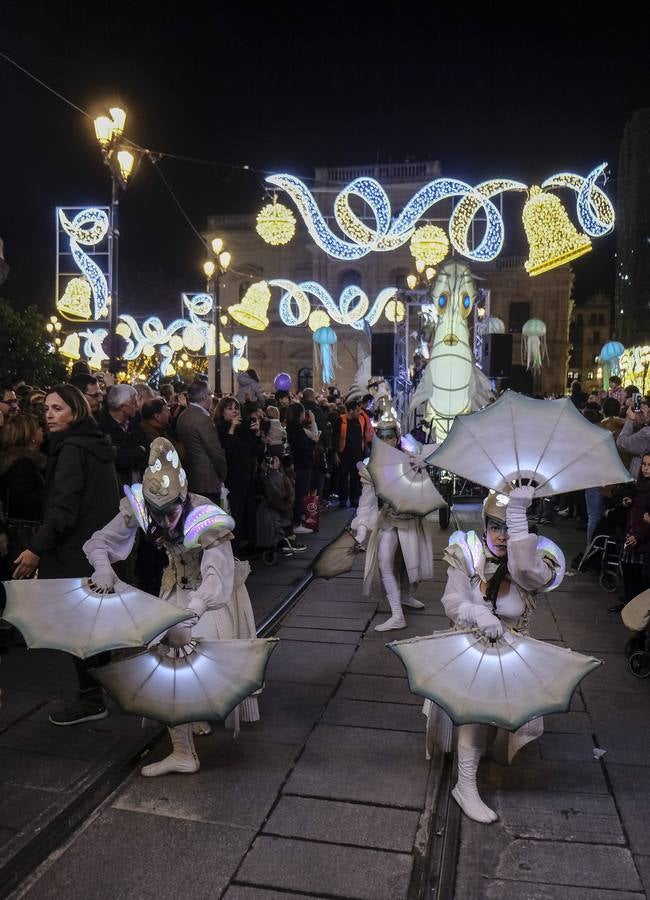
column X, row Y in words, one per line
column 492, row 590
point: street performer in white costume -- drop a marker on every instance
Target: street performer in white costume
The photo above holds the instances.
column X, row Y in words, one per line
column 400, row 548
column 491, row 583
column 202, row 574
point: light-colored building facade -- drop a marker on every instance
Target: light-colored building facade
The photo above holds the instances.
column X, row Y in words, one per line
column 590, row 329
column 514, row 296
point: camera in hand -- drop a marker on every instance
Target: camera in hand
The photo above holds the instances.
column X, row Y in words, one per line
column 636, row 403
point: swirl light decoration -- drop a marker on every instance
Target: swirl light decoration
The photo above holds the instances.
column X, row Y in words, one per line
column 275, row 224
column 352, row 309
column 89, row 227
column 594, row 210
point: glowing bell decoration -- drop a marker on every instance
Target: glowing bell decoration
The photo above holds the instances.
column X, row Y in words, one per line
column 533, row 344
column 276, row 224
column 552, row 238
column 429, row 244
column 252, row 312
column 75, row 302
column 71, row 347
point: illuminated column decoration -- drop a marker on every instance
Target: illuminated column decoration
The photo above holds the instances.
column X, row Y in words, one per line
column 276, row 224
column 594, row 208
column 552, row 237
column 89, row 227
column 240, row 349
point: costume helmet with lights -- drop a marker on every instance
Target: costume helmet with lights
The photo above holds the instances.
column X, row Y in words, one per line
column 494, row 507
column 164, row 482
column 386, row 426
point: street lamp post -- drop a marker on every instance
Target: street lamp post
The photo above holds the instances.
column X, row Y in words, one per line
column 214, row 269
column 120, row 161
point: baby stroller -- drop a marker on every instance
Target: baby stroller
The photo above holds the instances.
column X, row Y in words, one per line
column 602, row 557
column 637, row 651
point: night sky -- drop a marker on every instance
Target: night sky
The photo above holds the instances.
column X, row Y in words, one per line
column 282, row 94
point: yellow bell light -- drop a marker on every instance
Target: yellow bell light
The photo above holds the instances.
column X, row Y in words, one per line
column 252, row 312
column 275, row 224
column 71, row 347
column 104, row 128
column 125, row 161
column 394, row 310
column 552, row 237
column 411, row 280
column 224, row 346
column 224, row 260
column 208, row 268
column 217, row 246
column 119, row 120
column 75, row 301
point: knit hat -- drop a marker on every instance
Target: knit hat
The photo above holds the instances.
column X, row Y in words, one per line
column 164, row 481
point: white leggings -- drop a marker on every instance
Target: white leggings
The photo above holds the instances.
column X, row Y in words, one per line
column 388, row 541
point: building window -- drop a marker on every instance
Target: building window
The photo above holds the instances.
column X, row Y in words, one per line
column 519, row 313
column 596, row 338
column 349, row 277
column 305, row 379
column 601, row 319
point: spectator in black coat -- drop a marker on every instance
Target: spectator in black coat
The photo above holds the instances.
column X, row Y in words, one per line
column 120, row 424
column 302, row 436
column 81, row 496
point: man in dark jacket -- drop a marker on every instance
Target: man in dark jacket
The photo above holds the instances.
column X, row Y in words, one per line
column 119, row 423
column 351, row 450
column 205, row 459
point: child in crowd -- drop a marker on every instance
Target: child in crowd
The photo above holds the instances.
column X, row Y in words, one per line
column 276, row 437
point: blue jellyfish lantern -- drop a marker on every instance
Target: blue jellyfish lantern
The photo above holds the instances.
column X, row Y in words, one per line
column 609, row 357
column 325, row 341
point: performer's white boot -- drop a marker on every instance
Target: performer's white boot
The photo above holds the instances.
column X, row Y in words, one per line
column 470, row 750
column 410, row 601
column 183, row 757
column 397, row 619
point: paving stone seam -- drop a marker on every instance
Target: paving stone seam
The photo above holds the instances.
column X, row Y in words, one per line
column 373, row 805
column 375, row 727
column 331, row 843
column 285, row 890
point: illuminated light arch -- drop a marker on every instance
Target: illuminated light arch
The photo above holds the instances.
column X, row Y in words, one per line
column 594, row 208
column 97, row 222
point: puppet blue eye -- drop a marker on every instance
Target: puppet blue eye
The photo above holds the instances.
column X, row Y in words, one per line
column 442, row 301
column 466, row 302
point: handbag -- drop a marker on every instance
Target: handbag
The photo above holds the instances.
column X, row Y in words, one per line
column 311, row 510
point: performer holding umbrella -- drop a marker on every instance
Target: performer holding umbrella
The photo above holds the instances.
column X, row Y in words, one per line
column 189, row 678
column 487, row 672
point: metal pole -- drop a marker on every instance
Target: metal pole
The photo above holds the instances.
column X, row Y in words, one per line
column 113, row 237
column 217, row 333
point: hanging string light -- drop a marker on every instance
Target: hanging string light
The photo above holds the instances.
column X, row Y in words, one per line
column 276, row 224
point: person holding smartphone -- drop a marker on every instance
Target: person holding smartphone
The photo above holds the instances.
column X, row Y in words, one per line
column 635, row 434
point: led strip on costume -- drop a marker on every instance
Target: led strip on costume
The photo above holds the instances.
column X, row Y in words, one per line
column 204, row 518
column 137, row 504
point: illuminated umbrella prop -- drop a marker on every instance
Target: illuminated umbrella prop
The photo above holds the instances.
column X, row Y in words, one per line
column 203, row 680
column 67, row 614
column 544, row 442
column 403, row 480
column 338, row 557
column 506, row 683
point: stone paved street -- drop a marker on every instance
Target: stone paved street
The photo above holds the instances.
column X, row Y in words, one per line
column 327, row 795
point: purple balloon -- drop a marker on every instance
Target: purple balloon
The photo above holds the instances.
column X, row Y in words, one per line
column 282, row 382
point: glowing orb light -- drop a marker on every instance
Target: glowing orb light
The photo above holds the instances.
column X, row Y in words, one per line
column 318, row 319
column 394, row 311
column 429, row 244
column 276, row 224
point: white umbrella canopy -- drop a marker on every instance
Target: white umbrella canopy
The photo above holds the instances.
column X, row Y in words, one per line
column 547, row 443
column 203, row 680
column 403, row 480
column 67, row 614
column 506, row 682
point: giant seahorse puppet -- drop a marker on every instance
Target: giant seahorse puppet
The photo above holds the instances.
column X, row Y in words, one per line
column 452, row 382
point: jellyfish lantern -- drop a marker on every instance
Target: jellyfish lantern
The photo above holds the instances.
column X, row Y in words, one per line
column 609, row 357
column 533, row 343
column 325, row 343
column 492, row 325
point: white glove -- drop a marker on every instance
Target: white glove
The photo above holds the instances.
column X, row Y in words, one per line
column 181, row 634
column 104, row 577
column 518, row 502
column 520, row 497
column 488, row 623
column 197, row 605
column 361, row 535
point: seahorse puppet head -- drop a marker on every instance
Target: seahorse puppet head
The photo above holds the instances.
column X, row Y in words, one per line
column 451, row 359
